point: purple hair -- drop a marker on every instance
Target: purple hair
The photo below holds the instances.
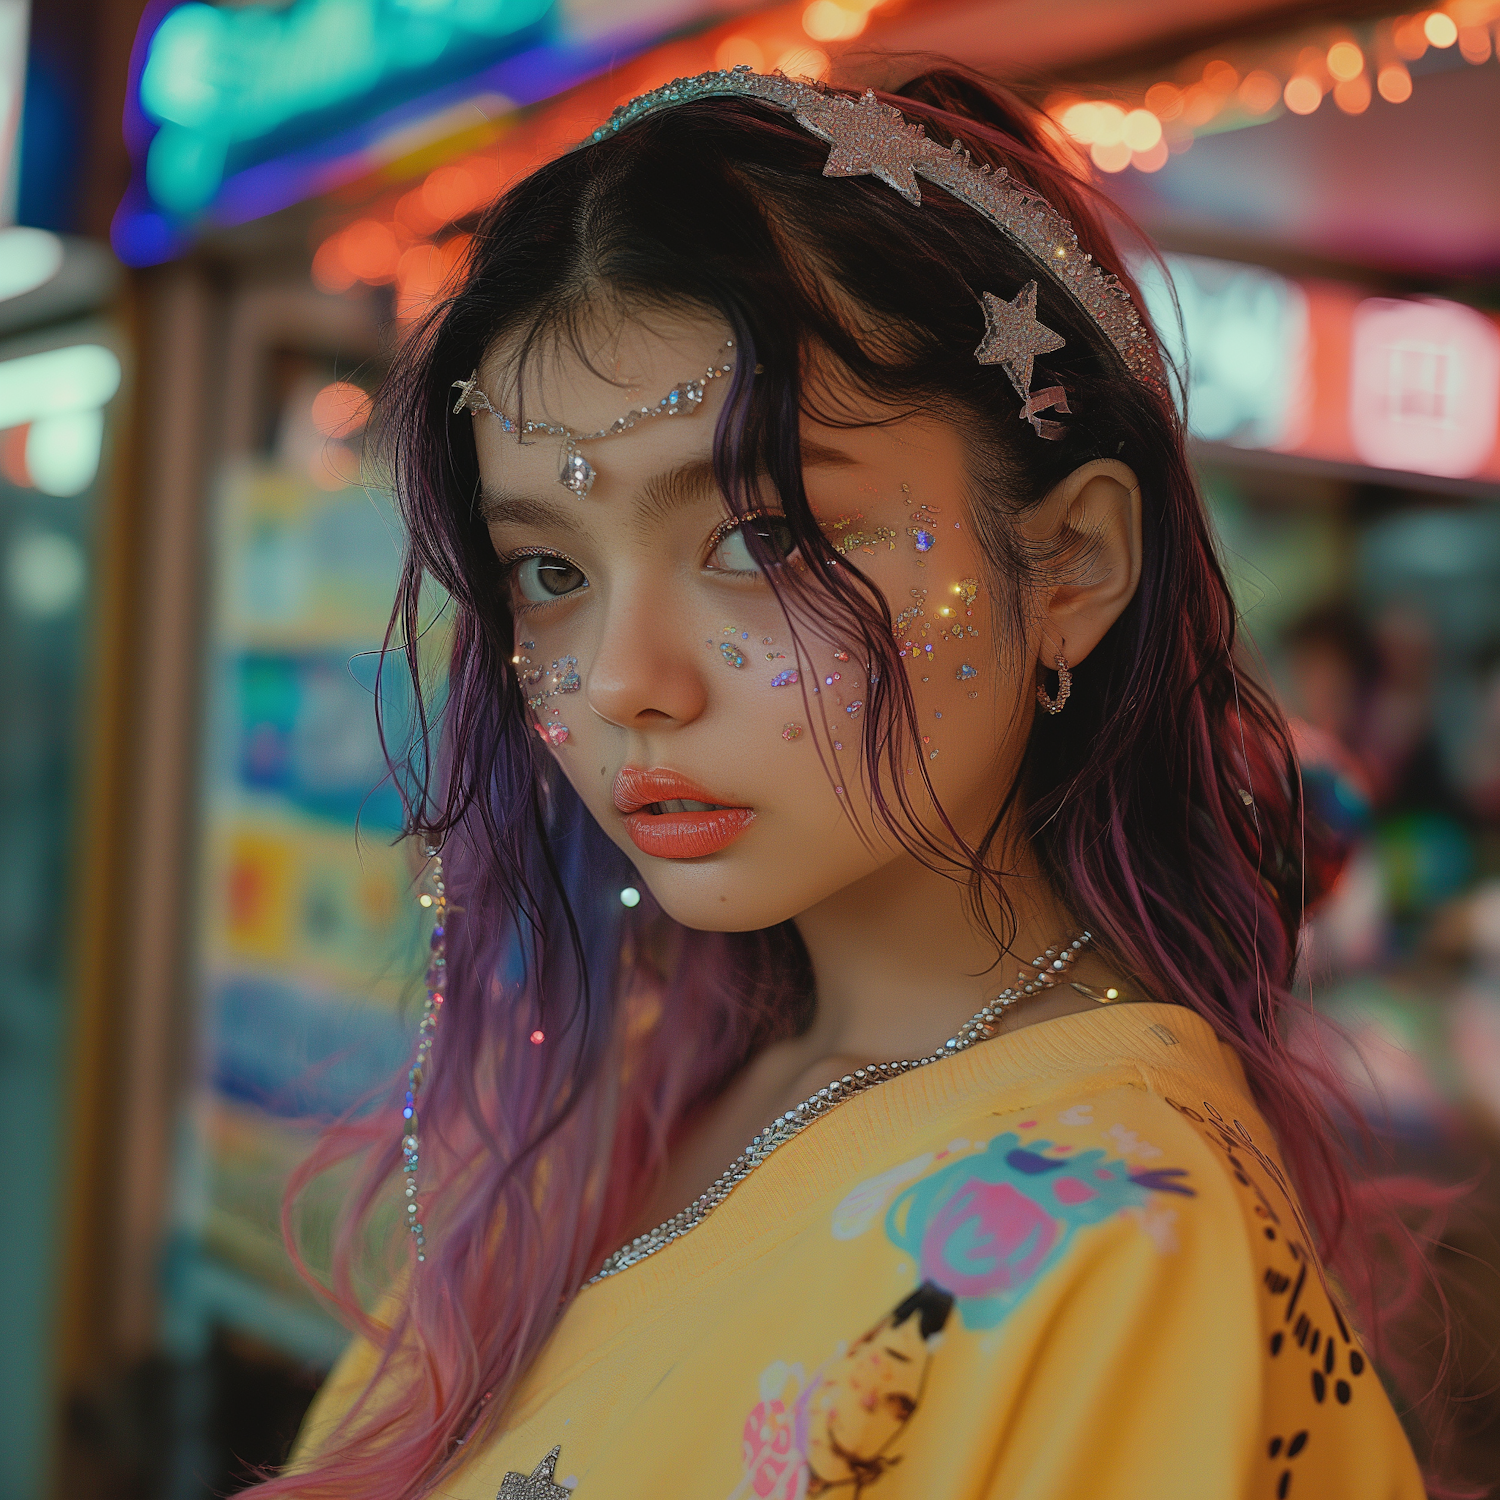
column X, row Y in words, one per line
column 1164, row 807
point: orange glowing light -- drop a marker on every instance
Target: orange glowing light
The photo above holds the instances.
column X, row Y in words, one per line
column 1345, row 61
column 330, row 272
column 1200, row 104
column 13, row 456
column 369, row 250
column 450, row 192
column 740, row 50
column 1108, row 126
column 1078, row 120
column 1220, row 76
column 1150, row 161
column 1111, row 156
column 1302, row 94
column 804, row 62
column 1409, row 38
column 828, row 21
column 1260, row 92
column 1164, row 100
column 1352, row 95
column 1141, row 130
column 340, row 409
column 1474, row 43
column 1439, row 29
column 1394, row 84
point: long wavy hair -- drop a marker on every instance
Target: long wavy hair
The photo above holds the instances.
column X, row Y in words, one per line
column 1164, row 807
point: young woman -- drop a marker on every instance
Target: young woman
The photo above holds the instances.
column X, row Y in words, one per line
column 856, row 1059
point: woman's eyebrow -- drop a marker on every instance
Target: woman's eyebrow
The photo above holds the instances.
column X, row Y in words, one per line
column 497, row 507
column 661, row 495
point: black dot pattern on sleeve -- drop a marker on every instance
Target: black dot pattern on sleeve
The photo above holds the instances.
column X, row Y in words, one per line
column 1315, row 1359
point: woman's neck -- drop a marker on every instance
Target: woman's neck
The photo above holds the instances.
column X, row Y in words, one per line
column 900, row 963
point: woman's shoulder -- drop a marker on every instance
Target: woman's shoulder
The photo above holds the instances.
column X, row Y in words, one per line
column 1182, row 1282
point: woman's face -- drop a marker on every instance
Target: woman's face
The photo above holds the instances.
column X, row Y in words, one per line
column 662, row 672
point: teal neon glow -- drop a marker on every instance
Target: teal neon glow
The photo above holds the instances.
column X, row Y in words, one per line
column 217, row 78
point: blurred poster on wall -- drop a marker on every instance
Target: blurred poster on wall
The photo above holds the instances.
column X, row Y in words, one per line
column 308, row 925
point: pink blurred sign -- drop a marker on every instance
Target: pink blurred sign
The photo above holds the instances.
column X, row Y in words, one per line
column 1424, row 392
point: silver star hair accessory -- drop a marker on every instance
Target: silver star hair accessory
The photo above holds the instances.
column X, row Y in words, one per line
column 539, row 1485
column 1013, row 338
column 868, row 137
column 875, row 140
column 574, row 471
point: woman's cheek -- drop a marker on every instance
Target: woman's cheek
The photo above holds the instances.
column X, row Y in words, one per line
column 549, row 688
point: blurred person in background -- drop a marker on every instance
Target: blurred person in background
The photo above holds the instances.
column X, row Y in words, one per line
column 825, row 559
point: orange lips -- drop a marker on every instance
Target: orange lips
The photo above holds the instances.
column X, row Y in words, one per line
column 675, row 833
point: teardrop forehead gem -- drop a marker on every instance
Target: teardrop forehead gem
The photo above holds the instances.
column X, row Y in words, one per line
column 575, row 472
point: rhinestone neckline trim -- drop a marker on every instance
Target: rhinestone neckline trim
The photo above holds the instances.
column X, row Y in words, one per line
column 1048, row 969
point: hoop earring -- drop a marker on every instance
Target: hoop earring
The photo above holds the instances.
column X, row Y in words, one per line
column 1064, row 687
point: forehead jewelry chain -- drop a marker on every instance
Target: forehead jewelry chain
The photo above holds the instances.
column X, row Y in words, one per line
column 574, row 471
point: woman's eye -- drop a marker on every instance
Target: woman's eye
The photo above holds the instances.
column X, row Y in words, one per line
column 733, row 554
column 542, row 578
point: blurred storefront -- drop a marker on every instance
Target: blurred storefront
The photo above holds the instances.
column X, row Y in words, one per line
column 1326, row 195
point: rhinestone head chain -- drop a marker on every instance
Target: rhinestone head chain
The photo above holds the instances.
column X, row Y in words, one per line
column 1047, row 969
column 871, row 138
column 574, row 471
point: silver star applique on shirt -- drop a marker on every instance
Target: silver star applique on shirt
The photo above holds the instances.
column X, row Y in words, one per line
column 872, row 138
column 540, row 1484
column 1013, row 337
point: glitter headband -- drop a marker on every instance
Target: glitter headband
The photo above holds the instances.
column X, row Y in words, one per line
column 875, row 139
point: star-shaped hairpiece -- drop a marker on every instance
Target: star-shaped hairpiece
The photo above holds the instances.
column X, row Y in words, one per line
column 871, row 138
column 1013, row 338
column 538, row 1485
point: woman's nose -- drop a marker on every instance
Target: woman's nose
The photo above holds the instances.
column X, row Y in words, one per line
column 646, row 673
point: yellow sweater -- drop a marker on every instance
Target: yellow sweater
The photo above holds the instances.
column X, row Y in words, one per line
column 1062, row 1265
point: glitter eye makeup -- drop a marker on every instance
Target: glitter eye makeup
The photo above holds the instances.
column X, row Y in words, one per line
column 728, row 550
column 540, row 576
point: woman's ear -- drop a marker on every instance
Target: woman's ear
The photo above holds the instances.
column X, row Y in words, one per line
column 1089, row 529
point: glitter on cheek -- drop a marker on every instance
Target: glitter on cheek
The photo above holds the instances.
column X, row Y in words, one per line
column 732, row 654
column 853, row 708
column 922, row 539
column 841, row 656
column 966, row 673
column 832, row 678
column 785, row 679
column 791, row 732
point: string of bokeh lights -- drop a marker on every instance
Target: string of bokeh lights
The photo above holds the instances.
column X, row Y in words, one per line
column 416, row 244
column 1349, row 65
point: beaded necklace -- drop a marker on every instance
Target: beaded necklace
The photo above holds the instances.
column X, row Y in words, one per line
column 1048, row 969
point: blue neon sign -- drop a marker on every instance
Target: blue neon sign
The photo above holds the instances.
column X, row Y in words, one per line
column 233, row 108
